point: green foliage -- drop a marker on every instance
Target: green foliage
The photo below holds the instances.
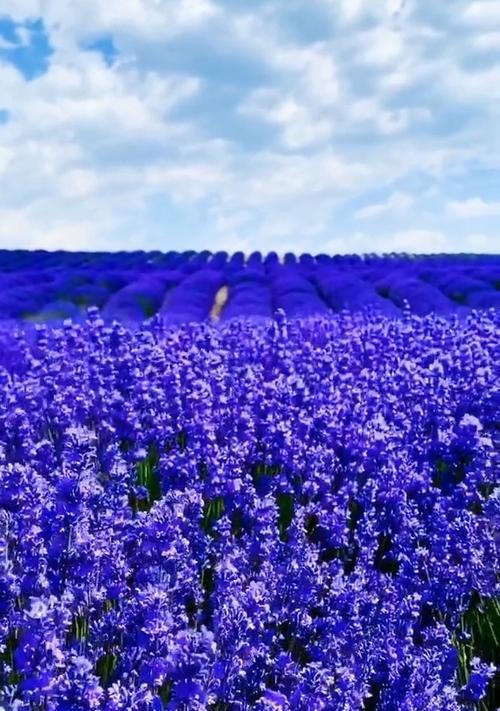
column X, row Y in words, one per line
column 478, row 635
column 147, row 477
column 212, row 511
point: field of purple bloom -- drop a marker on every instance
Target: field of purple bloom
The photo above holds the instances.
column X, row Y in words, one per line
column 193, row 286
column 253, row 513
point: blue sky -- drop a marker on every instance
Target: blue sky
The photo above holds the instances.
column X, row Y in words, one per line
column 324, row 126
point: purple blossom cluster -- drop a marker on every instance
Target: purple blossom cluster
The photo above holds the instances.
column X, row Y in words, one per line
column 259, row 514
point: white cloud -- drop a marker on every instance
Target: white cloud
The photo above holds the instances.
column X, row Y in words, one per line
column 276, row 179
column 369, row 112
column 26, row 229
column 414, row 241
column 314, row 70
column 473, row 86
column 186, row 183
column 486, row 41
column 87, row 148
column 310, row 88
column 7, row 44
column 420, row 241
column 381, row 46
column 473, row 207
column 351, row 10
column 396, row 204
column 299, row 124
column 151, row 20
column 479, row 242
column 356, row 12
column 6, row 155
column 484, row 13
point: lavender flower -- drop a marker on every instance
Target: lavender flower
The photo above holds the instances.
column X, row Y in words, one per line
column 254, row 514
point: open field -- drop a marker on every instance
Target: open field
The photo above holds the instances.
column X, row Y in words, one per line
column 253, row 514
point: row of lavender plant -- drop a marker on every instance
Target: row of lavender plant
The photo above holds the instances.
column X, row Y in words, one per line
column 255, row 515
column 183, row 287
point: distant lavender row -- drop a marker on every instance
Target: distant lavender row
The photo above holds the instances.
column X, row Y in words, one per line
column 183, row 287
column 295, row 515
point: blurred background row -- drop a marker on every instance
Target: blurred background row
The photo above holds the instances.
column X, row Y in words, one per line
column 41, row 286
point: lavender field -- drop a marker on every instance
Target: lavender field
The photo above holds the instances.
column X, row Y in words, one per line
column 233, row 483
column 194, row 286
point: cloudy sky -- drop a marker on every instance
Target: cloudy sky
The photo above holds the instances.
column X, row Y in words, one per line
column 304, row 125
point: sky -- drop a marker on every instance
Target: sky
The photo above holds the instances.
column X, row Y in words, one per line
column 337, row 126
